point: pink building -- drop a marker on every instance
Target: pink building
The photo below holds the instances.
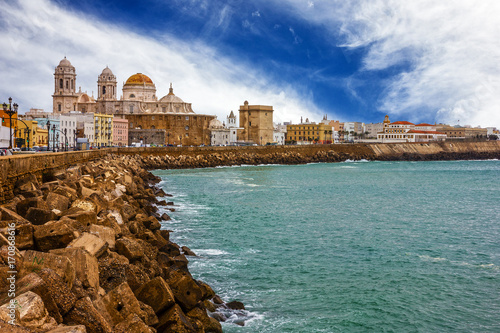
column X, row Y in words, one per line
column 120, row 132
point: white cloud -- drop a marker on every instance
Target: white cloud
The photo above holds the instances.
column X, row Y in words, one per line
column 450, row 48
column 37, row 34
column 256, row 13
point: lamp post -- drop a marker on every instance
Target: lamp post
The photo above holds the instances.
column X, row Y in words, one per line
column 74, row 137
column 66, row 139
column 48, row 135
column 54, row 138
column 10, row 110
column 168, row 139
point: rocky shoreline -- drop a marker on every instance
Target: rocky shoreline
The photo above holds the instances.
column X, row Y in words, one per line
column 90, row 256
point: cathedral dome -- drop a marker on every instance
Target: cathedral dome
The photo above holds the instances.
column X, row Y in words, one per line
column 65, row 63
column 139, row 78
column 215, row 123
column 106, row 71
column 171, row 98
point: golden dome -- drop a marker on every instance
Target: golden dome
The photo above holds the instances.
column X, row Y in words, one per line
column 139, row 78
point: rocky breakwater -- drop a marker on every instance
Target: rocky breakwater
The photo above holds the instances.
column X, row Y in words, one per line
column 90, row 256
column 242, row 158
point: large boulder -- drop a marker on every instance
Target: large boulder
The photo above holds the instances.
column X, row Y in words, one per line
column 211, row 325
column 35, row 262
column 54, row 235
column 23, row 206
column 187, row 292
column 93, row 244
column 39, row 216
column 86, row 265
column 57, row 201
column 86, row 218
column 32, row 312
column 129, row 248
column 84, row 313
column 105, row 233
column 121, row 302
column 132, row 324
column 156, row 293
column 174, row 320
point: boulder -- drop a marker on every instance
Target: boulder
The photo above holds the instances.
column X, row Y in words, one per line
column 86, row 218
column 33, row 282
column 66, row 191
column 23, row 206
column 235, row 305
column 121, row 302
column 84, row 313
column 174, row 320
column 187, row 251
column 69, row 329
column 105, row 233
column 156, row 293
column 35, row 262
column 171, row 249
column 86, row 266
column 85, row 205
column 129, row 248
column 211, row 325
column 24, row 229
column 93, row 244
column 187, row 293
column 57, row 201
column 5, row 327
column 206, row 290
column 54, row 235
column 131, row 324
column 151, row 319
column 58, row 290
column 165, row 217
column 32, row 312
column 39, row 216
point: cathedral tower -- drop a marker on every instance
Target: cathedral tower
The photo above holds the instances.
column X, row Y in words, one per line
column 106, row 88
column 64, row 98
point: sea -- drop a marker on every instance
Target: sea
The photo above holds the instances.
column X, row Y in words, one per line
column 357, row 246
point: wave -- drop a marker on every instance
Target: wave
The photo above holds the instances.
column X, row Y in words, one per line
column 210, row 252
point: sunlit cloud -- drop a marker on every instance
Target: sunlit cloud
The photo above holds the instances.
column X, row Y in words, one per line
column 37, row 34
column 446, row 53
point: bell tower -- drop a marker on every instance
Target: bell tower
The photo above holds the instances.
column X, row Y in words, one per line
column 64, row 98
column 106, row 91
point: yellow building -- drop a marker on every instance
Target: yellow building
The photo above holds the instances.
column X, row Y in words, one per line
column 31, row 127
column 103, row 130
column 307, row 133
column 40, row 137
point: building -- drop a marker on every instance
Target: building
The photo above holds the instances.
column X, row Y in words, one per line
column 232, row 124
column 257, row 124
column 373, row 129
column 53, row 133
column 68, row 122
column 27, row 133
column 279, row 134
column 120, row 131
column 338, row 130
column 404, row 131
column 146, row 137
column 219, row 133
column 103, row 130
column 353, row 130
column 308, row 133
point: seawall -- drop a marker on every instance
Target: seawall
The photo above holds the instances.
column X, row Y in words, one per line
column 13, row 168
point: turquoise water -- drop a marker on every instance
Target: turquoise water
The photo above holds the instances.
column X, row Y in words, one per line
column 346, row 247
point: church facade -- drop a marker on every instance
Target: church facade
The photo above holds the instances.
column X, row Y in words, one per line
column 139, row 104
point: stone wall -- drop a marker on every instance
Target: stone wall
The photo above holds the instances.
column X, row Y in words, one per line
column 13, row 168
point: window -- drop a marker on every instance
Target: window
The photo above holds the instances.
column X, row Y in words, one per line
column 152, row 117
column 71, row 84
column 164, row 109
column 186, row 128
column 67, row 84
column 131, row 109
column 250, row 123
column 131, row 125
column 187, row 117
column 103, row 90
column 132, row 96
column 59, row 107
column 60, row 83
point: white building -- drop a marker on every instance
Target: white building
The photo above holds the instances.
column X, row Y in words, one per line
column 404, row 131
column 4, row 137
column 67, row 126
column 279, row 134
column 219, row 133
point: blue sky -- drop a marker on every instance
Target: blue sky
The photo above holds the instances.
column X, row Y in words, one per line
column 421, row 60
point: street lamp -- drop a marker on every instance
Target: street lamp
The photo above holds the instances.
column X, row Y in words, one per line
column 66, row 139
column 74, row 137
column 48, row 135
column 10, row 111
column 168, row 138
column 54, row 138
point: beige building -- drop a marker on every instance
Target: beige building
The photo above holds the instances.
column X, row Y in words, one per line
column 404, row 131
column 257, row 124
column 308, row 133
column 120, row 131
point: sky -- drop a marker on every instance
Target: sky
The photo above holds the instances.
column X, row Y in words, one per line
column 358, row 60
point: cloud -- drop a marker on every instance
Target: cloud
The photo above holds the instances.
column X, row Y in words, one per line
column 256, row 13
column 445, row 53
column 37, row 34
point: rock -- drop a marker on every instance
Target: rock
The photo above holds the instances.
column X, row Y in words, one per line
column 165, row 217
column 210, row 324
column 120, row 302
column 209, row 305
column 86, row 218
column 152, row 223
column 38, row 216
column 69, row 329
column 235, row 305
column 54, row 235
column 34, row 261
column 33, row 282
column 84, row 313
column 187, row 251
column 58, row 290
column 85, row 205
column 86, row 266
column 105, row 233
column 156, row 293
column 217, row 300
column 93, row 244
column 129, row 248
column 174, row 320
column 151, row 318
column 23, row 206
column 186, row 292
column 24, row 229
column 57, row 201
column 132, row 324
column 67, row 192
column 32, row 312
column 114, row 214
column 5, row 327
column 87, row 191
column 207, row 291
column 171, row 249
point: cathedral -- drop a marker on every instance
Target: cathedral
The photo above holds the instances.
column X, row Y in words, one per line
column 138, row 103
